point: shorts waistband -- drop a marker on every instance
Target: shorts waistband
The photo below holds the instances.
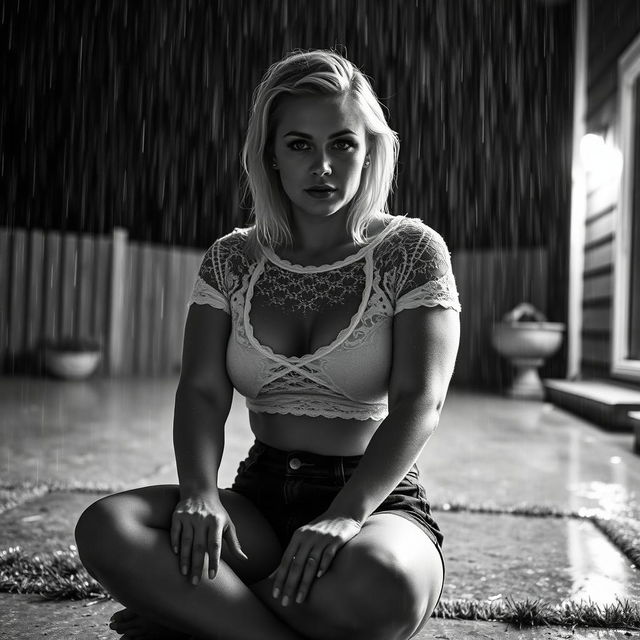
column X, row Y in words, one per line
column 302, row 463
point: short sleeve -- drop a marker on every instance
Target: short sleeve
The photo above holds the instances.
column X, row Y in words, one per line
column 425, row 277
column 209, row 287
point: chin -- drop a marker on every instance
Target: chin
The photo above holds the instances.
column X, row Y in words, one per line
column 321, row 209
column 326, row 212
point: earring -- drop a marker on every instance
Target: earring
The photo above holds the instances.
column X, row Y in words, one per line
column 367, row 162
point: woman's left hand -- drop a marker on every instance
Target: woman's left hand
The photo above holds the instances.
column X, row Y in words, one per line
column 309, row 555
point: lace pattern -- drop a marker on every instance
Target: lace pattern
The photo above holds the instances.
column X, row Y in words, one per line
column 223, row 269
column 326, row 407
column 417, row 267
column 307, row 293
column 431, row 294
column 204, row 293
column 408, row 268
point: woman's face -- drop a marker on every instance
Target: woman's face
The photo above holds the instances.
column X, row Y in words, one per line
column 320, row 146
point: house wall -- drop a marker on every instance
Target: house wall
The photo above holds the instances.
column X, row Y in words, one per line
column 612, row 26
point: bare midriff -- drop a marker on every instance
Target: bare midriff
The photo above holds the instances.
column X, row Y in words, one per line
column 325, row 436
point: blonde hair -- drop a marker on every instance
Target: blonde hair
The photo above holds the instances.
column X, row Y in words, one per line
column 315, row 72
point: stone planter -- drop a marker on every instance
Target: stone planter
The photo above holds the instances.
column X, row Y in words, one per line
column 71, row 361
column 526, row 340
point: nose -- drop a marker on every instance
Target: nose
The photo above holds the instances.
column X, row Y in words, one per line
column 321, row 165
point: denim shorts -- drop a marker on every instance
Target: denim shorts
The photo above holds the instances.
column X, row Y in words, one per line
column 291, row 488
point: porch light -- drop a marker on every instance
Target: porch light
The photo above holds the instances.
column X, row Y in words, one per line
column 600, row 157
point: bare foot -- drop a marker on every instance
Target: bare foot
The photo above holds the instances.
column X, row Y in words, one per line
column 131, row 625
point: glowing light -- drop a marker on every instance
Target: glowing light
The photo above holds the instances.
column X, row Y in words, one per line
column 615, row 459
column 600, row 157
column 591, row 147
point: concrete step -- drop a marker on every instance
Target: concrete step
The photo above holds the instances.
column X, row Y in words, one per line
column 604, row 402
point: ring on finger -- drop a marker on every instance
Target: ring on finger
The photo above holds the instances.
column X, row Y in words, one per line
column 311, row 559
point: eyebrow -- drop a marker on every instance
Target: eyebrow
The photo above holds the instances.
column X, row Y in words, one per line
column 299, row 134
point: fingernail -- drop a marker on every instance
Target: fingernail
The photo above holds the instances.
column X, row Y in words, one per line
column 299, row 598
column 212, row 574
column 195, row 580
column 276, row 592
column 184, row 569
column 319, row 574
column 175, row 549
column 285, row 601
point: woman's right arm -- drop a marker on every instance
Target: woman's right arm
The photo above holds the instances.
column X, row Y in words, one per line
column 203, row 400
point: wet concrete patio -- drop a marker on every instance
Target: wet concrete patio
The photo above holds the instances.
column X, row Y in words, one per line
column 491, row 459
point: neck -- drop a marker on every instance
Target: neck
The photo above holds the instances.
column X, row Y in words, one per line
column 319, row 235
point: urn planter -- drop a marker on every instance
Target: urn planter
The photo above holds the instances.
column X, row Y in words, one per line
column 526, row 339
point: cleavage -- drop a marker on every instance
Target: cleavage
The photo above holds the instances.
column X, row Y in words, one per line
column 295, row 314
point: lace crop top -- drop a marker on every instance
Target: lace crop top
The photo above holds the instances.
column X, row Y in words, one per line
column 406, row 266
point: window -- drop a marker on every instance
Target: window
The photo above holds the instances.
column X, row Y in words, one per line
column 626, row 325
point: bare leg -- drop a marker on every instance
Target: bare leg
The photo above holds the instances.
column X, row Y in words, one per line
column 123, row 541
column 383, row 585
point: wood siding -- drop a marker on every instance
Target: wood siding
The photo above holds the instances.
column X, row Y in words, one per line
column 612, row 27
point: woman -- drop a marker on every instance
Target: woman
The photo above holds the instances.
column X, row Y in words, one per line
column 339, row 323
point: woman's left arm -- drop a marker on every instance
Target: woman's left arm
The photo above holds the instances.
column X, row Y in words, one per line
column 425, row 344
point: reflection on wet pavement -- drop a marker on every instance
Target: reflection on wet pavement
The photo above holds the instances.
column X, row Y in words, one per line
column 523, row 557
column 487, row 450
column 599, row 571
column 613, row 498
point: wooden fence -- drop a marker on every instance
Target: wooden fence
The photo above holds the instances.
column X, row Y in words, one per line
column 132, row 298
column 490, row 283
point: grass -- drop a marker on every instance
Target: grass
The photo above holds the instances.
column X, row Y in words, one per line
column 60, row 575
column 532, row 613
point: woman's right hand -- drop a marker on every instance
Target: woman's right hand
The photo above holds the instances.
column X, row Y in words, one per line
column 199, row 524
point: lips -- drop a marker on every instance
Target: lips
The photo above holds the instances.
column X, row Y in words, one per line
column 321, row 192
column 321, row 188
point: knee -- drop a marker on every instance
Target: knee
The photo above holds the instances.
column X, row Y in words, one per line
column 99, row 532
column 380, row 598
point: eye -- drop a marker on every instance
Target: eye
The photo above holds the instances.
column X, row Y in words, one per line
column 344, row 145
column 298, row 145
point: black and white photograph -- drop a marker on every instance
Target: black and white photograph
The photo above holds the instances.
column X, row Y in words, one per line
column 319, row 319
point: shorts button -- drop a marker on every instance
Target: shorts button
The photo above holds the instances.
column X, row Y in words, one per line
column 295, row 463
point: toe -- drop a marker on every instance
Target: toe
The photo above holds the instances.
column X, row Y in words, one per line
column 123, row 615
column 125, row 627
